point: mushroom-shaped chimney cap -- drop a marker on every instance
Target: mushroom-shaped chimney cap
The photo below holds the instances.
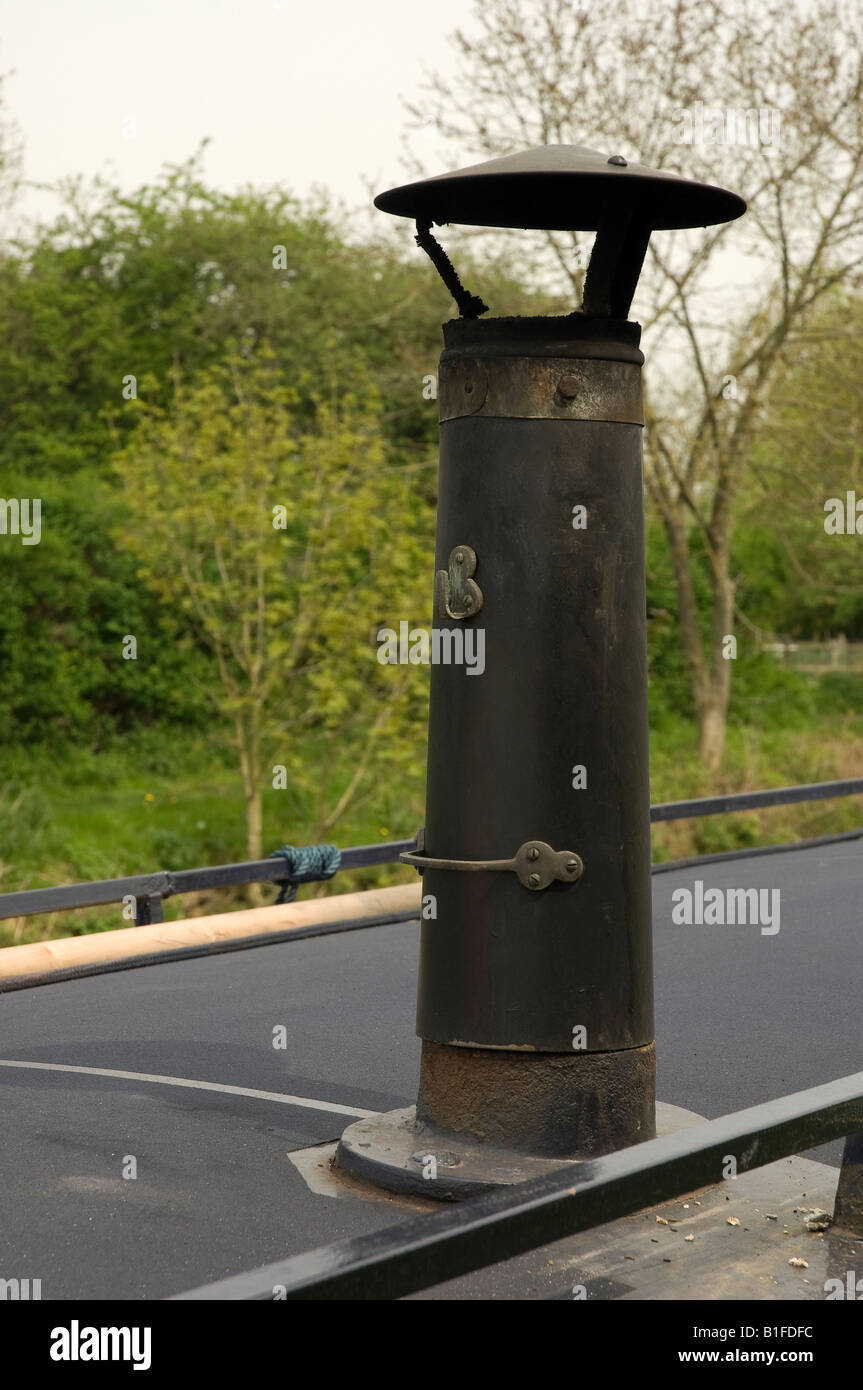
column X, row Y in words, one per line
column 561, row 188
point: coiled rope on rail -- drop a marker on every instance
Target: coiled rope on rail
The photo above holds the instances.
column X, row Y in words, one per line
column 308, row 864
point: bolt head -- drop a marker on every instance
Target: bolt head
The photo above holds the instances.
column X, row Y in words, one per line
column 573, row 867
column 533, row 854
column 568, row 387
column 534, row 881
column 459, row 557
column 619, row 160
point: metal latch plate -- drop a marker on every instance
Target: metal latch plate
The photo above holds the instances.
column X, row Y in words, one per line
column 535, row 864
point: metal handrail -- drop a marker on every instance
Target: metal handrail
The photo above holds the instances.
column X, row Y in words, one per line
column 427, row 1250
column 150, row 890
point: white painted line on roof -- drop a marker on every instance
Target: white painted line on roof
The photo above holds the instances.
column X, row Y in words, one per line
column 302, row 1102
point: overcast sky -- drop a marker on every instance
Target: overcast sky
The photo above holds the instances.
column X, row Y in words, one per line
column 298, row 92
column 293, row 91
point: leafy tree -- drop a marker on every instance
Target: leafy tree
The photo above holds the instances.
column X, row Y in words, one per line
column 10, row 154
column 793, row 576
column 287, row 543
column 145, row 285
column 622, row 79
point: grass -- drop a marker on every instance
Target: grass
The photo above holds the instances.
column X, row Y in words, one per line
column 752, row 764
column 162, row 801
